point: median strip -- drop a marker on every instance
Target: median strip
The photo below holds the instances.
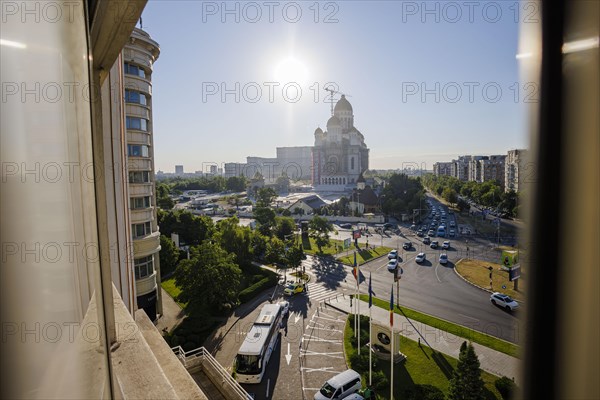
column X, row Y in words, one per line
column 475, row 336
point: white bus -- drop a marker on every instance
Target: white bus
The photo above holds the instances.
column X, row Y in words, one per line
column 253, row 356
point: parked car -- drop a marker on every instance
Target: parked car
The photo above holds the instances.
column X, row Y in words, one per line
column 293, row 288
column 392, row 255
column 451, row 233
column 340, row 386
column 431, row 233
column 426, row 240
column 346, row 226
column 392, row 265
column 504, row 301
column 446, row 245
column 407, row 246
column 444, row 258
column 420, row 257
column 434, row 244
column 421, row 233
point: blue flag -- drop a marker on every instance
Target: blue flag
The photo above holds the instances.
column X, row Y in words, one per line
column 392, row 307
column 371, row 293
column 361, row 277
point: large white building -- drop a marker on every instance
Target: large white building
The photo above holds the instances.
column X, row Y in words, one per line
column 515, row 165
column 340, row 154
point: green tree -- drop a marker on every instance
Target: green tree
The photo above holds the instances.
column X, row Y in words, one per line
column 235, row 239
column 265, row 218
column 466, row 384
column 275, row 251
column 169, row 255
column 236, row 183
column 265, row 197
column 284, row 226
column 194, row 229
column 319, row 229
column 450, row 195
column 209, row 279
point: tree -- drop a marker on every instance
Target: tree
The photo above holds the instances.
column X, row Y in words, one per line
column 275, row 251
column 163, row 199
column 169, row 255
column 265, row 218
column 265, row 197
column 235, row 239
column 294, row 255
column 319, row 229
column 209, row 279
column 450, row 195
column 284, row 226
column 466, row 384
column 193, row 229
column 236, row 183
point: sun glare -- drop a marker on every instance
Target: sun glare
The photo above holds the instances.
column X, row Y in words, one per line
column 291, row 70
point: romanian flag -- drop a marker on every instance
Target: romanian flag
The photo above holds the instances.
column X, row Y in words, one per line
column 358, row 275
column 392, row 307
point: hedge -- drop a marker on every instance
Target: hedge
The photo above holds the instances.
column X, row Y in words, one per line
column 258, row 287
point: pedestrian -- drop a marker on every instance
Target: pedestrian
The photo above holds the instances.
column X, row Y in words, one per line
column 419, row 341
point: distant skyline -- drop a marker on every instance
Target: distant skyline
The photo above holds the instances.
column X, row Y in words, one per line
column 426, row 85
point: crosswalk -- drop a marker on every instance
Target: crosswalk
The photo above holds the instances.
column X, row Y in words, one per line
column 317, row 291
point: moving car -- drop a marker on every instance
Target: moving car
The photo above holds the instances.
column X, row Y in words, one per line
column 431, row 233
column 434, row 244
column 340, row 386
column 407, row 246
column 451, row 234
column 392, row 255
column 293, row 288
column 446, row 245
column 392, row 265
column 420, row 257
column 421, row 233
column 444, row 258
column 426, row 240
column 346, row 226
column 504, row 301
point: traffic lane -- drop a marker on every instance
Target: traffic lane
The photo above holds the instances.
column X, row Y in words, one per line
column 436, row 290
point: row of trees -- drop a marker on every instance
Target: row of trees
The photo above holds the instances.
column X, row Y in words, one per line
column 221, row 253
column 488, row 193
column 402, row 194
column 210, row 183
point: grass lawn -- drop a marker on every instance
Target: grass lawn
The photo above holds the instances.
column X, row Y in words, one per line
column 423, row 366
column 169, row 286
column 364, row 255
column 475, row 336
column 476, row 271
column 310, row 247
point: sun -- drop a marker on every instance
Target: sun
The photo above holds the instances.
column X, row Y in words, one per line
column 291, row 70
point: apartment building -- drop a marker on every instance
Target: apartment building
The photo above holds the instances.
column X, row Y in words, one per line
column 514, row 170
column 442, row 168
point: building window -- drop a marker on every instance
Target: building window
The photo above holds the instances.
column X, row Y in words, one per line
column 131, row 96
column 139, row 177
column 140, row 202
column 352, row 163
column 141, row 124
column 137, row 150
column 143, row 267
column 141, row 230
column 131, row 69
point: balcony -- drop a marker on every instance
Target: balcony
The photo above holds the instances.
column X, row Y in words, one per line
column 141, row 189
column 138, row 83
column 146, row 245
column 137, row 110
column 136, row 137
column 140, row 215
column 146, row 284
column 139, row 164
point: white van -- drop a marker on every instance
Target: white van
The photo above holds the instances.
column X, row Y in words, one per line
column 340, row 386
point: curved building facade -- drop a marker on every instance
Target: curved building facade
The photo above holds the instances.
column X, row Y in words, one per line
column 139, row 56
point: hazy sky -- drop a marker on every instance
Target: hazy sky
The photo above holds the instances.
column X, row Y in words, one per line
column 428, row 81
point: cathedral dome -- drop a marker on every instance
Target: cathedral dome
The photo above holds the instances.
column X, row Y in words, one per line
column 343, row 105
column 333, row 122
column 318, row 131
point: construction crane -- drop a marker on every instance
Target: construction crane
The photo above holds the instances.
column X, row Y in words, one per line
column 331, row 99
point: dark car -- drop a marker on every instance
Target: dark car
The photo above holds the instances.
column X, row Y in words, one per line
column 346, row 226
column 387, row 225
column 407, row 246
column 426, row 240
column 434, row 244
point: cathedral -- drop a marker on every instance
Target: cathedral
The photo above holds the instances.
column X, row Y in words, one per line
column 340, row 154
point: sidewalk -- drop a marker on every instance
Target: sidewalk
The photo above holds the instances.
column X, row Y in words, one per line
column 492, row 361
column 172, row 314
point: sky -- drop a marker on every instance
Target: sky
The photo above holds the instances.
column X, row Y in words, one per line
column 428, row 81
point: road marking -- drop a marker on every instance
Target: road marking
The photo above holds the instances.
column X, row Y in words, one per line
column 466, row 316
column 288, row 358
column 324, row 369
column 269, row 384
column 436, row 274
column 317, row 339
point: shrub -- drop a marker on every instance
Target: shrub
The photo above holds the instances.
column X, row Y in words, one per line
column 380, row 380
column 360, row 362
column 258, row 287
column 506, row 387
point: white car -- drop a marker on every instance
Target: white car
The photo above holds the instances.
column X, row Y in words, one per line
column 504, row 301
column 446, row 245
column 420, row 258
column 392, row 265
column 444, row 258
column 393, row 255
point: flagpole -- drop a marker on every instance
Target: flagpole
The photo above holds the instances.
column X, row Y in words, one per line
column 392, row 351
column 370, row 335
column 355, row 299
column 357, row 302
